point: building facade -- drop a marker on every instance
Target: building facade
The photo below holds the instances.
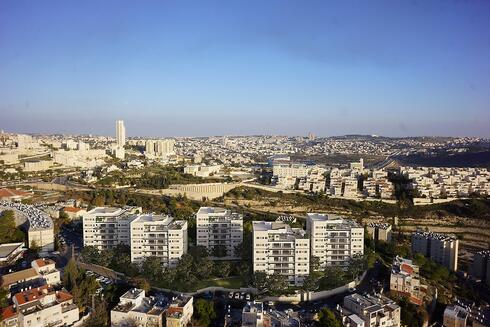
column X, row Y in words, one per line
column 158, row 236
column 220, row 231
column 370, row 311
column 280, row 249
column 405, row 280
column 379, row 231
column 334, row 240
column 440, row 248
column 106, row 227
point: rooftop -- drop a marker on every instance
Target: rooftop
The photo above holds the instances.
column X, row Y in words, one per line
column 7, row 249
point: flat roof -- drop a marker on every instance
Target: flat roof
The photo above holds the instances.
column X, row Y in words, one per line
column 12, row 278
column 8, row 248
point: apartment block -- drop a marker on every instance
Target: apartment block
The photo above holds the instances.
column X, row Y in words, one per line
column 370, row 311
column 280, row 249
column 405, row 280
column 106, row 227
column 135, row 307
column 334, row 240
column 179, row 311
column 463, row 313
column 440, row 248
column 41, row 306
column 379, row 231
column 219, row 228
column 158, row 236
column 480, row 267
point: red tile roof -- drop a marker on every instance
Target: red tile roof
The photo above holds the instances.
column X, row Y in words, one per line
column 8, row 312
column 8, row 193
column 72, row 209
column 406, row 268
column 31, row 295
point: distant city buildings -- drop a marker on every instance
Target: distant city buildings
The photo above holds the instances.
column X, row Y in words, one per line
column 369, row 311
column 106, row 227
column 334, row 240
column 440, row 248
column 379, row 231
column 280, row 249
column 158, row 236
column 220, row 231
column 159, row 148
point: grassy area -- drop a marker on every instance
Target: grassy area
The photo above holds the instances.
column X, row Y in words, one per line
column 232, row 282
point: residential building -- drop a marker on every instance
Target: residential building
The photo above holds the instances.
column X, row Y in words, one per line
column 40, row 227
column 158, row 236
column 379, row 231
column 120, row 133
column 41, row 306
column 254, row 315
column 42, row 272
column 463, row 313
column 334, row 240
column 280, row 249
column 9, row 252
column 74, row 212
column 370, row 311
column 405, row 280
column 46, row 269
column 179, row 311
column 106, row 227
column 220, row 231
column 440, row 248
column 480, row 268
column 135, row 309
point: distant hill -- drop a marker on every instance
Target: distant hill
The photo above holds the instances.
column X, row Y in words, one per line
column 465, row 159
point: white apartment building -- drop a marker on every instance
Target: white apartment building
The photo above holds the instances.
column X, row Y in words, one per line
column 120, row 133
column 202, row 170
column 135, row 307
column 369, row 311
column 280, row 249
column 440, row 248
column 334, row 240
column 41, row 306
column 106, row 227
column 218, row 227
column 309, row 178
column 179, row 311
column 158, row 236
column 159, row 148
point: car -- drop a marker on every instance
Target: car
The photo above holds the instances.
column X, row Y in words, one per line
column 230, row 295
column 242, row 296
column 270, row 303
column 237, row 295
column 352, row 289
column 248, row 297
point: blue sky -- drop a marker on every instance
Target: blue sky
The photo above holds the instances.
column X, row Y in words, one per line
column 175, row 68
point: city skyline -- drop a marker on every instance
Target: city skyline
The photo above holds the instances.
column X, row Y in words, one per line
column 201, row 69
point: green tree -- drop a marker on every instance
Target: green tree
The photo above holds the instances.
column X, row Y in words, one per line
column 198, row 252
column 205, row 312
column 99, row 316
column 259, row 281
column 152, row 268
column 326, row 318
column 223, row 269
column 204, row 268
column 333, row 277
column 71, row 275
column 278, row 284
column 219, row 251
column 9, row 233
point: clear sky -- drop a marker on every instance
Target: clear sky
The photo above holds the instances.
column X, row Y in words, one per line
column 174, row 68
